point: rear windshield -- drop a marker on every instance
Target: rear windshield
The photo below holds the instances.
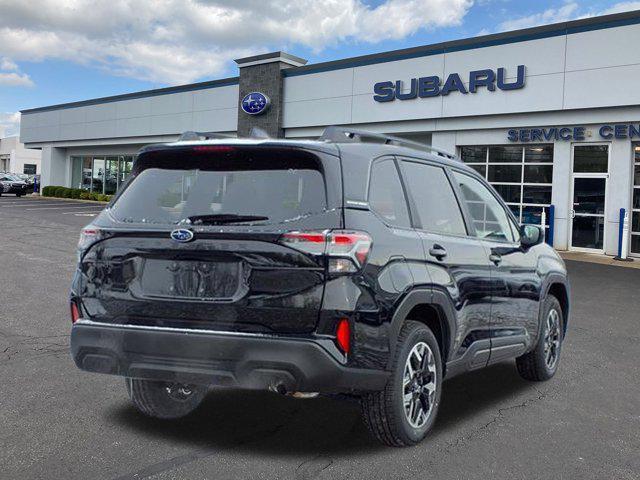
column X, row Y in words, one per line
column 215, row 187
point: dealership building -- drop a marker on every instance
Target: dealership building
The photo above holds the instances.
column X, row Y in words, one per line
column 549, row 115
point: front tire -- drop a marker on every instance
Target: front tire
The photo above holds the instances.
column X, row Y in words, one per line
column 542, row 362
column 164, row 400
column 403, row 413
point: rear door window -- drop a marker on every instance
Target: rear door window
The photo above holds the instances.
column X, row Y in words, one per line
column 386, row 195
column 205, row 189
column 435, row 203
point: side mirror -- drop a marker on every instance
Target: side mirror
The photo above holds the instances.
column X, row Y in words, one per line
column 531, row 235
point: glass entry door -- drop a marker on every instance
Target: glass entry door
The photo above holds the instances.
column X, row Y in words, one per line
column 588, row 213
column 589, row 194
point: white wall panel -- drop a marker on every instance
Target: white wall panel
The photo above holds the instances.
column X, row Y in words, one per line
column 137, row 107
column 337, row 83
column 133, row 127
column 72, row 115
column 104, row 129
column 101, row 112
column 614, row 86
column 218, row 120
column 214, row 98
column 168, row 124
column 603, row 48
column 327, row 111
column 366, row 110
column 174, row 103
column 540, row 56
column 543, row 92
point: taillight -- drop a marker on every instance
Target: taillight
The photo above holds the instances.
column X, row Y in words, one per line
column 347, row 250
column 343, row 335
column 88, row 235
column 75, row 312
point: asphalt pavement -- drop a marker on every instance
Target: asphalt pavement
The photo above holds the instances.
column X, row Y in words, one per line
column 59, row 422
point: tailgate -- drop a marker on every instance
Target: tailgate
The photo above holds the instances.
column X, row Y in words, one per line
column 244, row 284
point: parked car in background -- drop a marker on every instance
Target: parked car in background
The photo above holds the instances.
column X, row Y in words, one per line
column 13, row 185
column 26, row 178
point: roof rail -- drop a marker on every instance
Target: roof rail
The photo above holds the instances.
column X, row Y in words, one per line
column 349, row 135
column 190, row 136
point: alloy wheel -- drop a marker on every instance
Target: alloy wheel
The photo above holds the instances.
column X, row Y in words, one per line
column 552, row 339
column 419, row 385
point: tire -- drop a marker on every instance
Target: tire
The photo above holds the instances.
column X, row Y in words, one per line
column 536, row 365
column 164, row 400
column 384, row 412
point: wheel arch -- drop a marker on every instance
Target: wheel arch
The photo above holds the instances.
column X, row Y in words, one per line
column 559, row 289
column 432, row 308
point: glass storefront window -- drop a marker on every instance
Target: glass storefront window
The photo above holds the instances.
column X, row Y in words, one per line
column 522, row 175
column 100, row 174
column 590, row 159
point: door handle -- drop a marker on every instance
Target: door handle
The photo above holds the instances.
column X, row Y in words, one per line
column 573, row 214
column 495, row 258
column 437, row 252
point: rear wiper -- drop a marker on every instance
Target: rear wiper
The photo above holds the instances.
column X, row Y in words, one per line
column 221, row 218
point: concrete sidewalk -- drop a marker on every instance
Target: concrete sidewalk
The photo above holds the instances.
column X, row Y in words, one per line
column 599, row 259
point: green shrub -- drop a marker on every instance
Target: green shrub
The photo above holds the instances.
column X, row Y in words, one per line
column 64, row 192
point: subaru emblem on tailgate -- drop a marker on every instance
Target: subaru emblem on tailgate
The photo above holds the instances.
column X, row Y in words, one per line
column 182, row 235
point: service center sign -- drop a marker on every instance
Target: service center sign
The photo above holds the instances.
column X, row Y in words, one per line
column 425, row 87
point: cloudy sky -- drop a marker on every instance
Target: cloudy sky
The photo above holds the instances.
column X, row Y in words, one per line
column 55, row 51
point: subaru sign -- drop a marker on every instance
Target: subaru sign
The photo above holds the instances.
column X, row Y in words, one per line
column 425, row 87
column 255, row 103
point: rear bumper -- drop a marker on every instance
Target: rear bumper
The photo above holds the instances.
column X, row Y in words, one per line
column 217, row 358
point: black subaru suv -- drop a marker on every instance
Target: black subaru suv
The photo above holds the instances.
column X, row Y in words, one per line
column 356, row 264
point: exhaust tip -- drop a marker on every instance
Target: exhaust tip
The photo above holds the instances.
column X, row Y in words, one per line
column 278, row 388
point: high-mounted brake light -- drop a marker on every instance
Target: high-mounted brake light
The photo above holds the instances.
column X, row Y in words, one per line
column 213, row 148
column 75, row 312
column 347, row 250
column 343, row 335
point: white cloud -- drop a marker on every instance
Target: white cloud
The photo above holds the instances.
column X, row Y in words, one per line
column 621, row 7
column 571, row 10
column 7, row 64
column 551, row 15
column 13, row 79
column 176, row 41
column 9, row 123
column 11, row 76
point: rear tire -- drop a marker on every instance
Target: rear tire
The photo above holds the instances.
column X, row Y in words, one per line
column 542, row 362
column 164, row 400
column 403, row 413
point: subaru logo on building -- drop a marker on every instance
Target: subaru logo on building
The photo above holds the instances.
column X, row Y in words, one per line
column 182, row 235
column 255, row 103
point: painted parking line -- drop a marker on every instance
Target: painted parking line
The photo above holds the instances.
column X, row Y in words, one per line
column 67, row 206
column 76, row 212
column 17, row 204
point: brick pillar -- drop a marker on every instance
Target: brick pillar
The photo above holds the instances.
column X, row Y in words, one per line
column 263, row 73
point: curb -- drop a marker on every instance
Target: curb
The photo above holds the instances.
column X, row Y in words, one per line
column 78, row 200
